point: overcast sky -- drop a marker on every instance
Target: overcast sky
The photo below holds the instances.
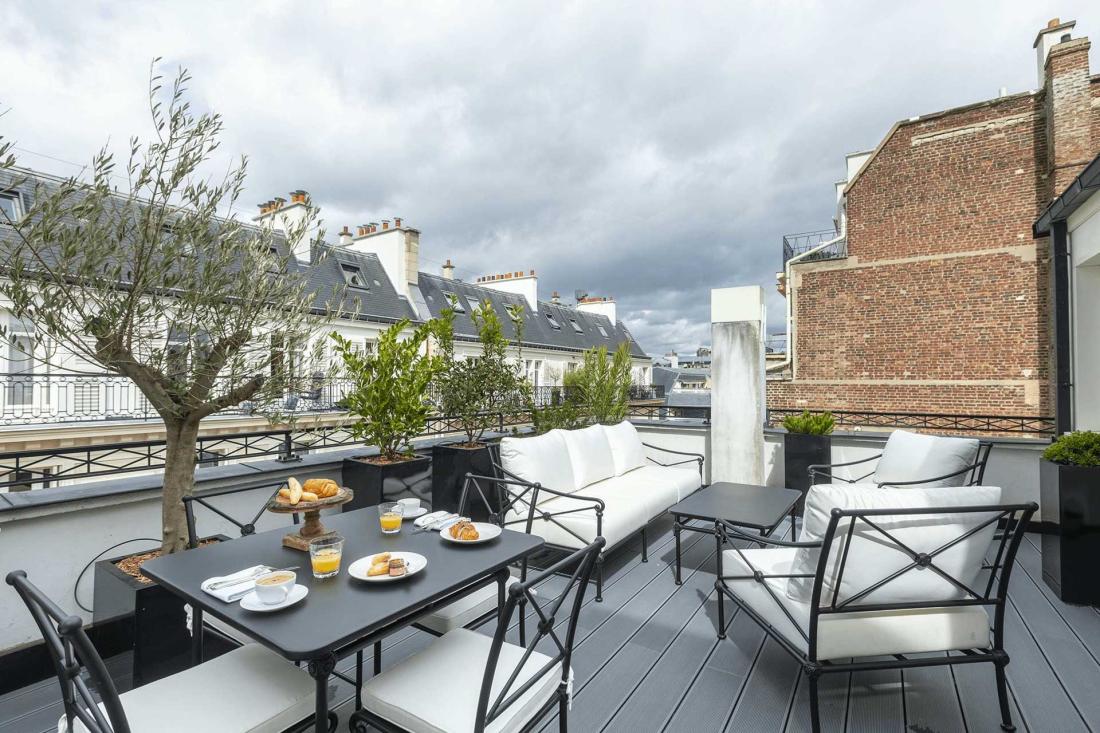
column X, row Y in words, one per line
column 647, row 152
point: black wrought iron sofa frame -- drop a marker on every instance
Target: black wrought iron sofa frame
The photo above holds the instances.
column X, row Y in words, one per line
column 976, row 471
column 1012, row 521
column 511, row 491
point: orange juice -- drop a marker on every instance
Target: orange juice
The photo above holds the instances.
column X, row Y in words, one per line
column 391, row 522
column 325, row 562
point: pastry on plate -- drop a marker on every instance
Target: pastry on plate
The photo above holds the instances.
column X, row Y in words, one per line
column 397, row 567
column 322, row 487
column 464, row 531
column 378, row 568
column 381, row 557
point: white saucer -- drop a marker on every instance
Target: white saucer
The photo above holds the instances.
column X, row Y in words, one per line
column 414, row 563
column 252, row 602
column 486, row 531
column 418, row 512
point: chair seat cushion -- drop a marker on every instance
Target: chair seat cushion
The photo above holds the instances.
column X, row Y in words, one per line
column 684, row 480
column 247, row 690
column 573, row 521
column 854, row 634
column 437, row 689
column 465, row 610
column 915, row 457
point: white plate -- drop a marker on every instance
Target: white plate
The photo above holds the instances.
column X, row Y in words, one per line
column 252, row 602
column 486, row 530
column 414, row 563
column 418, row 512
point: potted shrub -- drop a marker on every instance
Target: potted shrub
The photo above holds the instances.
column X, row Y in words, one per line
column 806, row 442
column 1069, row 487
column 474, row 392
column 388, row 398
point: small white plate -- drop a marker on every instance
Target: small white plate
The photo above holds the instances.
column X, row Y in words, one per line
column 486, row 531
column 414, row 563
column 252, row 602
column 418, row 512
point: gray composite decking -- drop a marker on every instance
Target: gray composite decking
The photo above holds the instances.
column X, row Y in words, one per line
column 647, row 659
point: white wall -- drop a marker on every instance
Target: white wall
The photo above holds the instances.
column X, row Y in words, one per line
column 1084, row 233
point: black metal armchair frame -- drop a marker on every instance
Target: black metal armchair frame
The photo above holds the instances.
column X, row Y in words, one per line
column 1012, row 521
column 975, row 472
column 507, row 492
column 490, row 707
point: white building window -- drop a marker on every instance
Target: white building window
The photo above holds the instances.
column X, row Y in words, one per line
column 11, row 206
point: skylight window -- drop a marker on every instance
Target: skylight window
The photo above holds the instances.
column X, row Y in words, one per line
column 576, row 326
column 353, row 276
column 11, row 206
column 456, row 302
column 601, row 330
column 553, row 323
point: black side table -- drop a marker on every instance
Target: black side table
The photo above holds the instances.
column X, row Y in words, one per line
column 755, row 507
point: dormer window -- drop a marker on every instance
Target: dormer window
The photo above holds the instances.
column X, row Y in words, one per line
column 455, row 302
column 553, row 322
column 11, row 206
column 602, row 331
column 576, row 326
column 353, row 276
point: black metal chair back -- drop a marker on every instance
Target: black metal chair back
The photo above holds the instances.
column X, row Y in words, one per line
column 246, row 527
column 75, row 661
column 1009, row 520
column 490, row 706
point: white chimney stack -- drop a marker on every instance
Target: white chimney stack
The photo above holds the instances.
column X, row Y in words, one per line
column 519, row 282
column 345, row 237
column 448, row 270
column 1056, row 32
column 283, row 217
column 600, row 306
column 398, row 248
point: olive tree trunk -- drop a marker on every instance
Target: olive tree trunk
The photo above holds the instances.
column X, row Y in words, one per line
column 181, row 439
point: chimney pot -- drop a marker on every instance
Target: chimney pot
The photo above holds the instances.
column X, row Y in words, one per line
column 385, row 223
column 1054, row 22
column 397, row 221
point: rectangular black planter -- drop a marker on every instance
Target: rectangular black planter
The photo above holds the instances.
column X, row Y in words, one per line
column 1071, row 499
column 800, row 451
column 161, row 639
column 374, row 483
column 450, row 464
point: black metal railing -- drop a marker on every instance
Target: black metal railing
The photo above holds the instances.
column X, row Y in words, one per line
column 977, row 424
column 796, row 244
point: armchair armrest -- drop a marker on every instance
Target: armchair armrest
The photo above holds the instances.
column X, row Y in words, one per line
column 823, row 469
column 728, row 530
column 696, row 458
column 961, row 471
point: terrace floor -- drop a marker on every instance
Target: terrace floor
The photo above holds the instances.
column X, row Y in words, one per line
column 647, row 659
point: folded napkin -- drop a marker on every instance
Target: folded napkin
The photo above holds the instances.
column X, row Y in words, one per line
column 235, row 591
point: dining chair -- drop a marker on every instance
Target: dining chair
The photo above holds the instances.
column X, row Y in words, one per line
column 248, row 689
column 435, row 688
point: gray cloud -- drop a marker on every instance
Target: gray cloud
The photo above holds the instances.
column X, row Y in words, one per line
column 649, row 152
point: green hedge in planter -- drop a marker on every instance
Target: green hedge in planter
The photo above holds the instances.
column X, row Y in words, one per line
column 810, row 423
column 1081, row 448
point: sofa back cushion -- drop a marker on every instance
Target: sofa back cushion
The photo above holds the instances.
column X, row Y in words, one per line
column 915, row 457
column 542, row 459
column 627, row 451
column 873, row 557
column 590, row 454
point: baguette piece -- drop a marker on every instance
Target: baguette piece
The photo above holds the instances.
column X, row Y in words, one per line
column 309, row 496
column 295, row 490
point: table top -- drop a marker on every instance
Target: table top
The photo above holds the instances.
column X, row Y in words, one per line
column 341, row 609
column 746, row 505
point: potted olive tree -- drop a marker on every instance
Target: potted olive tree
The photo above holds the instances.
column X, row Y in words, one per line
column 475, row 393
column 1069, row 486
column 807, row 442
column 389, row 400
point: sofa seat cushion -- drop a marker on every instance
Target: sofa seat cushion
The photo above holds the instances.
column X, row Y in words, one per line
column 684, row 479
column 437, row 689
column 590, row 454
column 854, row 634
column 627, row 450
column 247, row 690
column 542, row 459
column 624, row 514
column 465, row 610
column 915, row 457
column 873, row 557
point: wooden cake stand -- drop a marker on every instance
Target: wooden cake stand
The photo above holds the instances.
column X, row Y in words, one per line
column 311, row 527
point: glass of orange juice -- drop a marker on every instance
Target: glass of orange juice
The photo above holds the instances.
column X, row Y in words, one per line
column 325, row 554
column 389, row 516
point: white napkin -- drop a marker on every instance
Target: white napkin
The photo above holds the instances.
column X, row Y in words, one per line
column 236, row 591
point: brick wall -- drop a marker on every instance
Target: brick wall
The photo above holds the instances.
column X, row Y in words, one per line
column 942, row 305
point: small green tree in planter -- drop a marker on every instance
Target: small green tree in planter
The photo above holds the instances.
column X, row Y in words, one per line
column 807, row 442
column 389, row 401
column 602, row 384
column 1069, row 487
column 475, row 392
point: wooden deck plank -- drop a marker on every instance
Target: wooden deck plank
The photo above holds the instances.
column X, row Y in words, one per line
column 768, row 692
column 931, row 701
column 833, row 700
column 875, row 701
column 1083, row 621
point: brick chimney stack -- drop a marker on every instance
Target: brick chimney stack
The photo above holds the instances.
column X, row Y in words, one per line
column 1067, row 103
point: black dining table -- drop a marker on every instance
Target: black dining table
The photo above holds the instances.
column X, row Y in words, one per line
column 341, row 615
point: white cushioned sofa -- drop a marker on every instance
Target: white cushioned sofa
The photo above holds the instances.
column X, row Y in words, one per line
column 571, row 486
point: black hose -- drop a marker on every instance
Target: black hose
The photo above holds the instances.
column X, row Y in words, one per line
column 76, row 585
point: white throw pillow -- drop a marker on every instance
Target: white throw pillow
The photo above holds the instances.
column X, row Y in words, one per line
column 915, row 457
column 590, row 454
column 543, row 459
column 872, row 557
column 627, row 450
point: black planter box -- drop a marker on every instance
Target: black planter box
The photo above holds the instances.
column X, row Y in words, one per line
column 157, row 619
column 374, row 483
column 801, row 451
column 450, row 464
column 1071, row 554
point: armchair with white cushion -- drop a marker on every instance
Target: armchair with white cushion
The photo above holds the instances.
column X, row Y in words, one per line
column 882, row 579
column 913, row 459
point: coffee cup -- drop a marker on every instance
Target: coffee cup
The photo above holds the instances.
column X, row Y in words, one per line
column 410, row 505
column 274, row 588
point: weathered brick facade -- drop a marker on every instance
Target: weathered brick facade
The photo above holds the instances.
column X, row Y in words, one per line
column 942, row 304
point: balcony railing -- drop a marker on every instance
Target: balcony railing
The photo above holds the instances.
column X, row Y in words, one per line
column 796, row 244
column 935, row 422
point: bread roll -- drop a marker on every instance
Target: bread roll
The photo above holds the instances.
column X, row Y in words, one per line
column 295, row 490
column 309, row 496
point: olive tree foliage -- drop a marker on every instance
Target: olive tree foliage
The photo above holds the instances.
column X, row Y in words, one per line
column 145, row 271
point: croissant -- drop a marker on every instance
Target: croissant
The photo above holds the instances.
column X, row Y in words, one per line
column 322, row 487
column 464, row 531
